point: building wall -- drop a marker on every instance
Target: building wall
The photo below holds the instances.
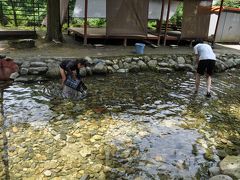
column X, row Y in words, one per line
column 228, row 28
column 97, row 9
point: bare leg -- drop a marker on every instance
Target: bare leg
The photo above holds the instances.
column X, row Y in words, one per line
column 197, row 82
column 209, row 82
column 63, row 75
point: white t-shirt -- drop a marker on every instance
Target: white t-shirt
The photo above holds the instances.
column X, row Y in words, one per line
column 204, row 51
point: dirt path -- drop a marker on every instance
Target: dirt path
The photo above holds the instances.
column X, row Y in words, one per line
column 72, row 48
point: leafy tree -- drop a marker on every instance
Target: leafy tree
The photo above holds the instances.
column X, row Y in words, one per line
column 229, row 3
column 177, row 18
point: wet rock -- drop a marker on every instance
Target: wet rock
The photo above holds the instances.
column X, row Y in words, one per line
column 85, row 151
column 85, row 177
column 15, row 129
column 14, row 75
column 37, row 70
column 142, row 65
column 83, row 71
column 38, row 64
column 230, row 165
column 47, row 173
column 230, row 63
column 25, row 65
column 122, row 70
column 89, row 70
column 164, row 70
column 213, row 171
column 221, row 177
column 208, row 155
column 100, row 68
column 128, row 60
column 53, row 70
column 181, row 60
column 110, row 69
column 63, row 136
column 2, row 56
column 89, row 60
column 116, row 67
column 152, row 64
column 24, row 71
column 162, row 64
column 109, row 63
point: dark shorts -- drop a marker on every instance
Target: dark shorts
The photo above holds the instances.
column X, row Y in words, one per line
column 206, row 65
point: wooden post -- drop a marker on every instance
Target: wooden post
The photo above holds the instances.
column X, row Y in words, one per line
column 167, row 20
column 85, row 22
column 125, row 42
column 218, row 19
column 160, row 23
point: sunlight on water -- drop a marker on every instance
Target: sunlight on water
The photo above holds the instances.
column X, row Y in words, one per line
column 145, row 125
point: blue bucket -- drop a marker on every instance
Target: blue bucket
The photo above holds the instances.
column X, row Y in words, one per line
column 139, row 48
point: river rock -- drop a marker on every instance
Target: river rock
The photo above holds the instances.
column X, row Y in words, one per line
column 162, row 64
column 213, row 171
column 142, row 65
column 152, row 64
column 38, row 64
column 89, row 60
column 85, row 151
column 164, row 70
column 100, row 68
column 14, row 75
column 122, row 70
column 109, row 63
column 230, row 165
column 220, row 177
column 181, row 60
column 47, row 173
column 37, row 70
column 128, row 60
column 24, row 71
column 83, row 71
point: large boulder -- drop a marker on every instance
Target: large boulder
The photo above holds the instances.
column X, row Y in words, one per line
column 7, row 67
column 230, row 165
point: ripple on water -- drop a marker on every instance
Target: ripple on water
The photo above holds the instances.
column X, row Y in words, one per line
column 131, row 126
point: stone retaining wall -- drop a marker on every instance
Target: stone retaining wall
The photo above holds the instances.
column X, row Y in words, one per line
column 49, row 67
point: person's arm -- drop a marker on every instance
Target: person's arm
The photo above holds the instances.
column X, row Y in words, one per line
column 68, row 69
column 196, row 54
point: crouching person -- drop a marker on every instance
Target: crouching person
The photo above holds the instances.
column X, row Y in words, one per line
column 71, row 82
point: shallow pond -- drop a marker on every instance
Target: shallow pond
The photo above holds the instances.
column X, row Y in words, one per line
column 130, row 126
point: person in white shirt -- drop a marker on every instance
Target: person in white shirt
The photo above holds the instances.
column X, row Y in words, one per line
column 206, row 62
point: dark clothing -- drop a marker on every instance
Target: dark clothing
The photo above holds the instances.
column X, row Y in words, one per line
column 70, row 66
column 206, row 65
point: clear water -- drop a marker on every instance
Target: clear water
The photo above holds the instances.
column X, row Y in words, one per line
column 130, row 126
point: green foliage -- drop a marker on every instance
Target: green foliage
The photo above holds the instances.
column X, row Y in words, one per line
column 229, row 3
column 178, row 16
column 96, row 22
column 152, row 24
column 27, row 12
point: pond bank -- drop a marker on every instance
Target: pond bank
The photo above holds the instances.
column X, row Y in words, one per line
column 48, row 67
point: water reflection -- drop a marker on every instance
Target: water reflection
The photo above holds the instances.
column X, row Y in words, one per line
column 145, row 125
